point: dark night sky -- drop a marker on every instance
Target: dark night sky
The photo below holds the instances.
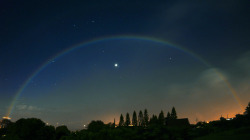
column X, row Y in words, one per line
column 85, row 84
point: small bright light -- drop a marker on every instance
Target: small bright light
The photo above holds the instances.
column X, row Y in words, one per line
column 8, row 118
column 116, row 65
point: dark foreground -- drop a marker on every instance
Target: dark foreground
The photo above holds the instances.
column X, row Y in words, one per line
column 237, row 128
column 35, row 129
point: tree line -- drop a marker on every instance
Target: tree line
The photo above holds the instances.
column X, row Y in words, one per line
column 143, row 119
column 144, row 128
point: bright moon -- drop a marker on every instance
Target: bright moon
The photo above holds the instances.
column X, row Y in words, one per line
column 116, row 65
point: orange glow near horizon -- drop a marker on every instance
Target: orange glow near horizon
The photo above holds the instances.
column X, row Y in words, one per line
column 8, row 118
column 226, row 114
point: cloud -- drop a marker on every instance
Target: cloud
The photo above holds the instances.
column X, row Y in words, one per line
column 21, row 107
column 27, row 108
column 210, row 95
column 240, row 77
column 244, row 62
column 31, row 108
column 209, row 80
column 211, row 77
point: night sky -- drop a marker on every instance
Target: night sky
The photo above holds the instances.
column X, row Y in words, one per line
column 70, row 62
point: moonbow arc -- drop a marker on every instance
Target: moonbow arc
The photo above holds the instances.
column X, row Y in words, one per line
column 121, row 37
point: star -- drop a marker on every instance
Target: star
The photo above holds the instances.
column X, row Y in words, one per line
column 75, row 26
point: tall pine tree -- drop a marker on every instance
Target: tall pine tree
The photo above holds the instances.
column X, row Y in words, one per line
column 153, row 120
column 173, row 114
column 127, row 122
column 121, row 123
column 140, row 119
column 146, row 118
column 134, row 119
column 113, row 125
column 247, row 111
column 168, row 115
column 161, row 118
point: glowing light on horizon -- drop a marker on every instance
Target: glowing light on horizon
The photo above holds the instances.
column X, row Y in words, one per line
column 8, row 118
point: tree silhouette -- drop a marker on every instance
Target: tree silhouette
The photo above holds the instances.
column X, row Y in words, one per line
column 173, row 114
column 168, row 115
column 62, row 131
column 134, row 119
column 121, row 123
column 140, row 119
column 168, row 118
column 48, row 133
column 96, row 126
column 146, row 118
column 247, row 111
column 161, row 118
column 153, row 120
column 31, row 128
column 222, row 119
column 5, row 123
column 127, row 122
column 113, row 125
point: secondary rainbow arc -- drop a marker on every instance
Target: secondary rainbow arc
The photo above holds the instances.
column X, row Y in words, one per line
column 110, row 38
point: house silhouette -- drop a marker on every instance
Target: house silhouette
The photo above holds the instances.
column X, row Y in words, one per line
column 178, row 122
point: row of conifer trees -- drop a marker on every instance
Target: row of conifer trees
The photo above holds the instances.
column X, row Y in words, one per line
column 143, row 119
